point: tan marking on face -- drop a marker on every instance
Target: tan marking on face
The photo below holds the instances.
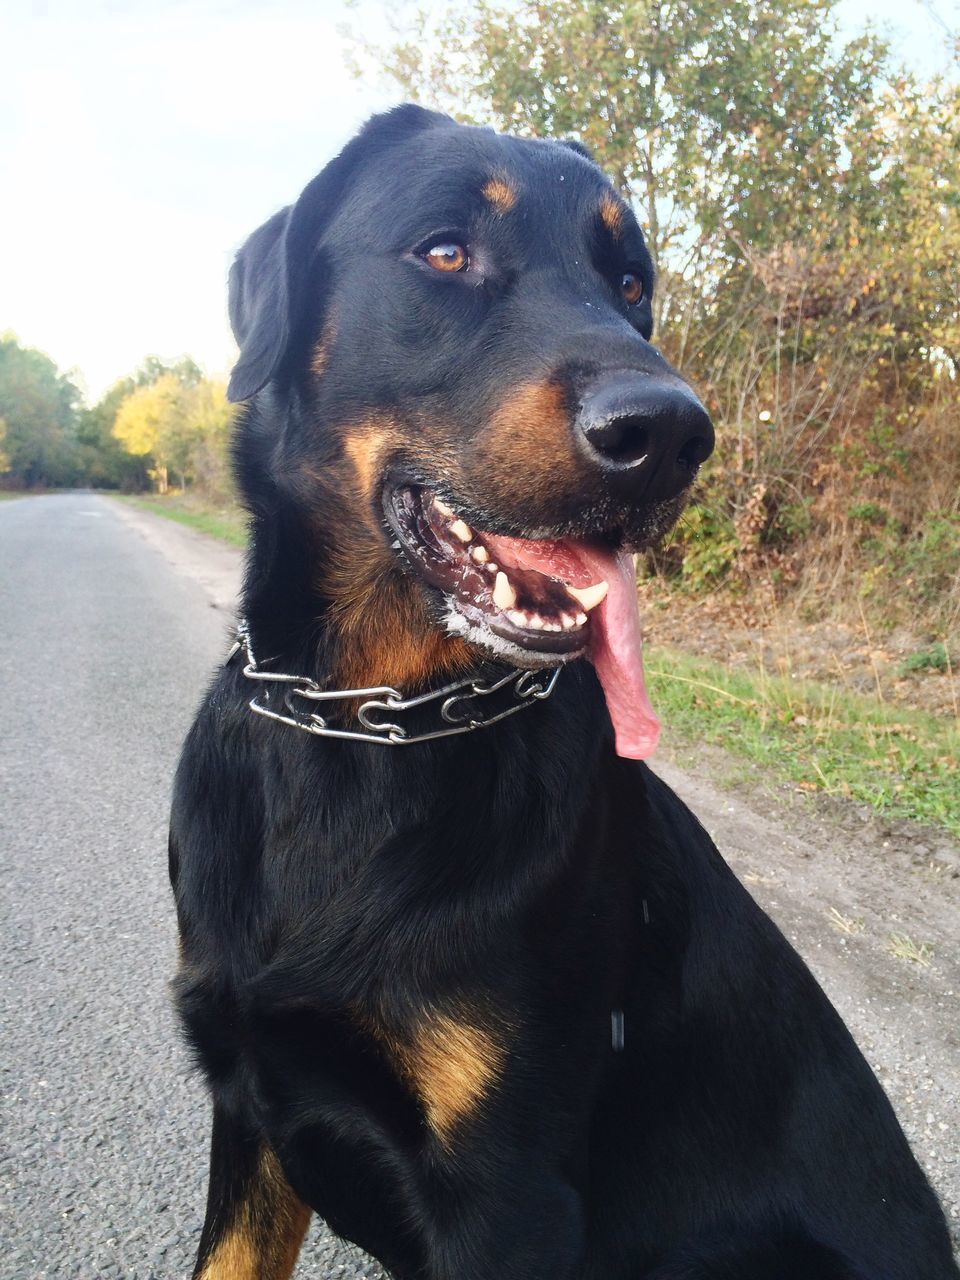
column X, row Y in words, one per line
column 451, row 1063
column 500, row 193
column 264, row 1238
column 367, row 451
column 611, row 214
column 321, row 352
column 377, row 611
column 529, row 435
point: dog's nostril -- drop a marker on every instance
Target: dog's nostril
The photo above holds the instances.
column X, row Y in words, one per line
column 695, row 451
column 624, row 440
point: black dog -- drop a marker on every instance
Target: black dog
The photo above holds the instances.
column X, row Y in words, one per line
column 464, row 978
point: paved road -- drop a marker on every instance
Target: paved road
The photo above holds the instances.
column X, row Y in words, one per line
column 109, row 636
column 106, row 648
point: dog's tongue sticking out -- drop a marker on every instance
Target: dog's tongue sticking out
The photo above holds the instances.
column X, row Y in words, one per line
column 615, row 639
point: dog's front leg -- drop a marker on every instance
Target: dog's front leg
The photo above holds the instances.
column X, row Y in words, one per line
column 255, row 1223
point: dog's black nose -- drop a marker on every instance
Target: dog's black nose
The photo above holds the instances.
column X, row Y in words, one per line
column 649, row 433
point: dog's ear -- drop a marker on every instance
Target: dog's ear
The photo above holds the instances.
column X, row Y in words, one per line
column 266, row 292
column 257, row 306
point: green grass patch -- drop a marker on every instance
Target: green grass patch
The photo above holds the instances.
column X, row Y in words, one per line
column 226, row 522
column 933, row 658
column 903, row 763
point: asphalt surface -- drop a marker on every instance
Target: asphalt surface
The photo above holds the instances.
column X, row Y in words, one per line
column 106, row 650
column 112, row 621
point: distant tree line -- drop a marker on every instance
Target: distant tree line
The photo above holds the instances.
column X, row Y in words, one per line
column 164, row 426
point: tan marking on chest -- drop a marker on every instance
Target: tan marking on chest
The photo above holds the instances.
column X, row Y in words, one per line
column 451, row 1064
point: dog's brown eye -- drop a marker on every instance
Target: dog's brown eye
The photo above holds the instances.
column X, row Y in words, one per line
column 631, row 287
column 447, row 257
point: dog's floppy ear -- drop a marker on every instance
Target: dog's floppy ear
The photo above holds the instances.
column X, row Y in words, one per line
column 266, row 295
column 258, row 307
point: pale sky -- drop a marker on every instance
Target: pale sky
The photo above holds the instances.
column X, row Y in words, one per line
column 141, row 142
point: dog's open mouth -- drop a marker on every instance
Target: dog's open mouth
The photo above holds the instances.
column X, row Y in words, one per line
column 533, row 603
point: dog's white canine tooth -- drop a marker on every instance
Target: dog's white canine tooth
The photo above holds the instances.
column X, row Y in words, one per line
column 588, row 597
column 480, row 553
column 442, row 507
column 517, row 617
column 460, row 529
column 504, row 596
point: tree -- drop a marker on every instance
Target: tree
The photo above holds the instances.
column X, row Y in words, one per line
column 39, row 407
column 106, row 463
column 705, row 112
column 177, row 423
column 146, row 425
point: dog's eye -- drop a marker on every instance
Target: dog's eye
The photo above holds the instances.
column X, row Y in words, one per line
column 447, row 257
column 631, row 287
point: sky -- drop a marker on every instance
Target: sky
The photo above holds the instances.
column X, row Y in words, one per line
column 142, row 141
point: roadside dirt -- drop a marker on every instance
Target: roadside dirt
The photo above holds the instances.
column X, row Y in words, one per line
column 873, row 906
column 747, row 634
column 216, row 566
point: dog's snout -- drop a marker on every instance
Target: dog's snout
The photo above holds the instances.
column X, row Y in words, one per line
column 648, row 432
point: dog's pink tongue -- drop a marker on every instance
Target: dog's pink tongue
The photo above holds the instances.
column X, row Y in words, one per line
column 616, row 645
column 616, row 650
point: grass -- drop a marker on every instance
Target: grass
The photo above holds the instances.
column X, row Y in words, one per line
column 226, row 522
column 849, row 925
column 904, row 948
column 932, row 658
column 902, row 763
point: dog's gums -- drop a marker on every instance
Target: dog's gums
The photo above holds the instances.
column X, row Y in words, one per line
column 540, row 613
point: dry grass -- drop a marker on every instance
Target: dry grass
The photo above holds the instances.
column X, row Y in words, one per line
column 903, row 947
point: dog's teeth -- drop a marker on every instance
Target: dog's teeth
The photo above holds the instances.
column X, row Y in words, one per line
column 504, row 596
column 442, row 508
column 588, row 597
column 517, row 617
column 567, row 622
column 480, row 553
column 552, row 626
column 492, row 567
column 460, row 529
column 536, row 622
column 395, row 544
column 581, row 619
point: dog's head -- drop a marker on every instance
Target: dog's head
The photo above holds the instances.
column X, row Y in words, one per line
column 446, row 340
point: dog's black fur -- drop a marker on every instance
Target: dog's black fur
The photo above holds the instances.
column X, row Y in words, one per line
column 399, row 966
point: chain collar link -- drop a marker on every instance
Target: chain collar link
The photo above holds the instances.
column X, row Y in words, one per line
column 383, row 709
